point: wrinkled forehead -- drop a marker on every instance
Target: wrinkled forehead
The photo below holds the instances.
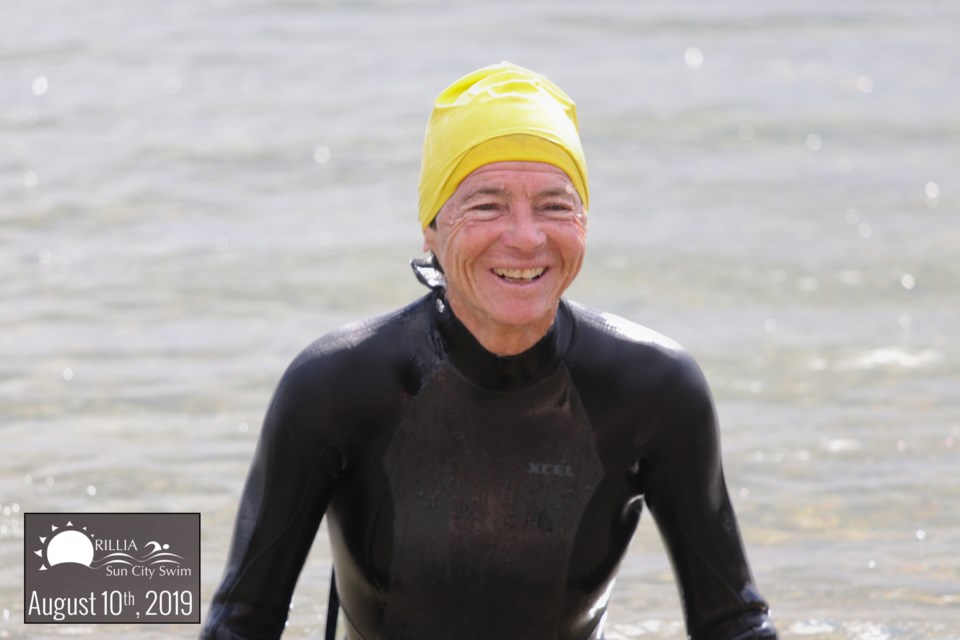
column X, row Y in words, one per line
column 517, row 176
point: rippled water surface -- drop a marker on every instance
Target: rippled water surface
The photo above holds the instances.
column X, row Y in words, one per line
column 191, row 192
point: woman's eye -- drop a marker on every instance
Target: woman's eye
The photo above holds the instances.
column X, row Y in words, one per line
column 485, row 209
column 558, row 208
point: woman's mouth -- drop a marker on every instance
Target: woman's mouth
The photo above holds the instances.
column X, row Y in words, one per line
column 519, row 275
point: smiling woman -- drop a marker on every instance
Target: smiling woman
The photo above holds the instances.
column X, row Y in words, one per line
column 510, row 240
column 482, row 455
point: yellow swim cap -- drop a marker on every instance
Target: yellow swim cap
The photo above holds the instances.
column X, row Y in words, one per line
column 498, row 113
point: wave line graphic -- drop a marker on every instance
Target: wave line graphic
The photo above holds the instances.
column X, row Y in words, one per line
column 155, row 556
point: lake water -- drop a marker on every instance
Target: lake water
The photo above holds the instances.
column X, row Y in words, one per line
column 192, row 192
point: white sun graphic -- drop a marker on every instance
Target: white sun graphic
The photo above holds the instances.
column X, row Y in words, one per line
column 66, row 546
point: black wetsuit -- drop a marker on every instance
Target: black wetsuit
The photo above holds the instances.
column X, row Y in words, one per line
column 472, row 496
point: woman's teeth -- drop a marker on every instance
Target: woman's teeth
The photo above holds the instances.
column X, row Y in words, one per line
column 520, row 274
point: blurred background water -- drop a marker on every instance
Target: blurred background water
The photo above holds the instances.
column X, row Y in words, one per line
column 192, row 192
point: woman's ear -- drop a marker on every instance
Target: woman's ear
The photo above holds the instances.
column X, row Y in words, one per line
column 430, row 236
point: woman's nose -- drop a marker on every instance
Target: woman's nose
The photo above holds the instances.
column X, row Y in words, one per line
column 525, row 231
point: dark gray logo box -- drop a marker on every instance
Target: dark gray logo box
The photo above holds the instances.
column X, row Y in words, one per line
column 111, row 567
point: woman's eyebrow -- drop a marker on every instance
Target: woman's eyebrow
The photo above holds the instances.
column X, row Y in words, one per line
column 485, row 191
column 549, row 192
column 556, row 191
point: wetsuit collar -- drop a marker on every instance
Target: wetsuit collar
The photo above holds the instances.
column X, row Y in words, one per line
column 502, row 373
column 474, row 361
